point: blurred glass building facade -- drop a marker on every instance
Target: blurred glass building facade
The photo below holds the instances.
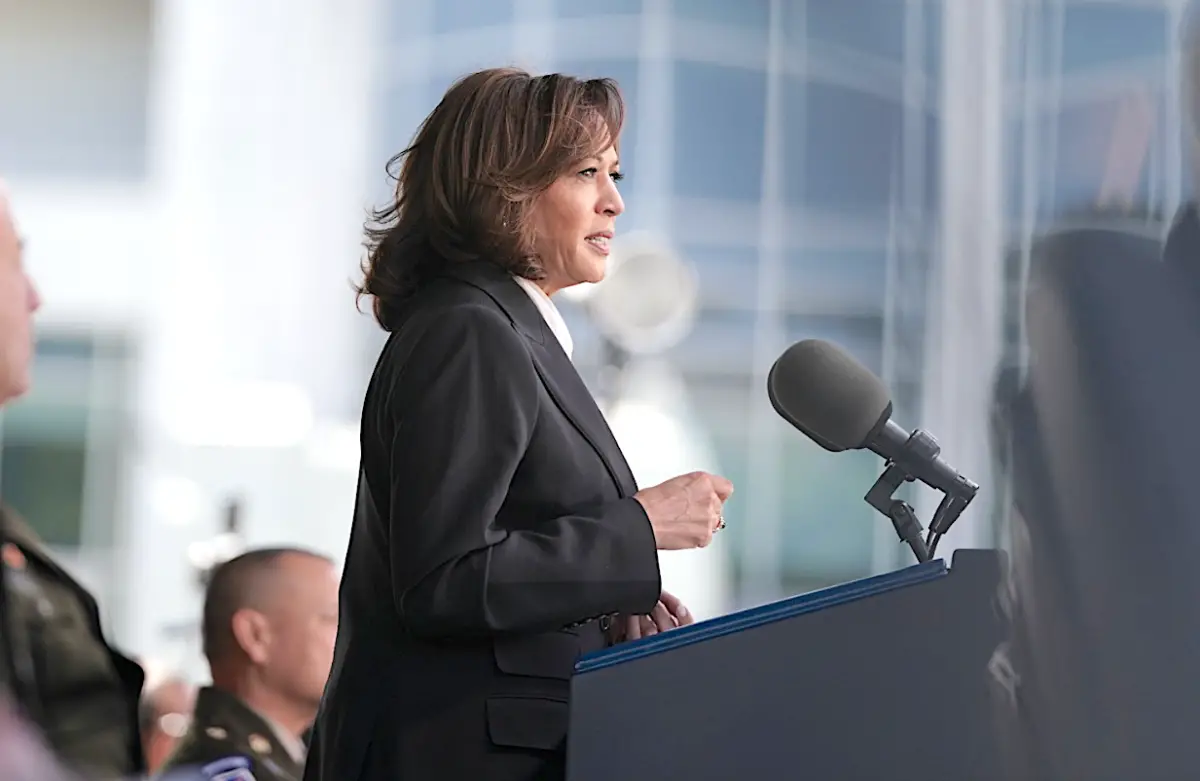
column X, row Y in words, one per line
column 864, row 171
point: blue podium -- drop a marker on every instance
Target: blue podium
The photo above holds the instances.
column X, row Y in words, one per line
column 882, row 678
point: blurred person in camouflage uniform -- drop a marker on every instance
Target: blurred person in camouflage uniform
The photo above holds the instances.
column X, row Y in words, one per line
column 79, row 693
column 270, row 620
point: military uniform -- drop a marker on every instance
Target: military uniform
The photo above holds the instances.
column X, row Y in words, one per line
column 227, row 741
column 80, row 693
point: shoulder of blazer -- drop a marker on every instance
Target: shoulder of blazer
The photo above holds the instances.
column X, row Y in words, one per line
column 449, row 297
column 483, row 282
column 445, row 301
column 460, row 286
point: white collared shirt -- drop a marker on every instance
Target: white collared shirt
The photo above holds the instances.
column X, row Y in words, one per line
column 549, row 313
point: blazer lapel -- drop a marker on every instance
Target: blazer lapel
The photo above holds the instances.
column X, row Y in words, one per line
column 557, row 372
column 568, row 390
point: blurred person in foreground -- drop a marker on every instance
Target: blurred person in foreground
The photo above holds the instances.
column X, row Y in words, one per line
column 270, row 618
column 1094, row 681
column 164, row 715
column 79, row 693
column 499, row 532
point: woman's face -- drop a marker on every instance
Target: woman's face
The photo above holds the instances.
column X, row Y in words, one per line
column 574, row 220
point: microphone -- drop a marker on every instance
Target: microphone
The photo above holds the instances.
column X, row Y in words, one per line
column 841, row 405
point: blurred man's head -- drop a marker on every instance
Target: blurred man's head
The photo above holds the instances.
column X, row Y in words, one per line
column 164, row 713
column 18, row 301
column 270, row 621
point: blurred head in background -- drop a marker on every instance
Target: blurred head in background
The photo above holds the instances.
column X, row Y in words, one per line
column 164, row 713
column 270, row 621
column 18, row 301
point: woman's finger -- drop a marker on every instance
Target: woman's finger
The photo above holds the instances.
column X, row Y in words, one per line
column 662, row 618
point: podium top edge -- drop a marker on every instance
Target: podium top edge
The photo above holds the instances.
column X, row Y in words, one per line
column 762, row 615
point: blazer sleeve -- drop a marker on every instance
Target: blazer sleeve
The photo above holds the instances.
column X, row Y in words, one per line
column 463, row 408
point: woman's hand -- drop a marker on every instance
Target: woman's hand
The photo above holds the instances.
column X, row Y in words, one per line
column 685, row 511
column 668, row 614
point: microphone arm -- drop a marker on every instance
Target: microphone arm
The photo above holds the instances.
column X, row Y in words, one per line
column 917, row 449
column 904, row 520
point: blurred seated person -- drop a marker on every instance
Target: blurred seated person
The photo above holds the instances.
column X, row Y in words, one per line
column 499, row 532
column 79, row 693
column 270, row 619
column 164, row 715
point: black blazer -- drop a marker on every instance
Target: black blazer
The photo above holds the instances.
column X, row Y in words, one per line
column 494, row 535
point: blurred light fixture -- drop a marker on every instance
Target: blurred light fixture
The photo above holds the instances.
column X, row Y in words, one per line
column 174, row 724
column 206, row 555
column 648, row 300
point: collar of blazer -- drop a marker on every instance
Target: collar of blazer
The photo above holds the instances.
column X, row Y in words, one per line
column 558, row 374
column 507, row 294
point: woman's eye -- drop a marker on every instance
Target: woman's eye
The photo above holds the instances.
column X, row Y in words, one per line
column 588, row 172
column 617, row 176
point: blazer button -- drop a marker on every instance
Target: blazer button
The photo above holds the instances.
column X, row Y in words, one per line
column 606, row 623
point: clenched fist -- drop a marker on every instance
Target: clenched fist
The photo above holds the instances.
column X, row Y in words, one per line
column 686, row 510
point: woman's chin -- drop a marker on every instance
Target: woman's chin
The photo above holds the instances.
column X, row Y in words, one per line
column 596, row 272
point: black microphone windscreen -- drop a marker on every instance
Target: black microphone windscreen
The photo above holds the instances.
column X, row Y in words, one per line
column 820, row 389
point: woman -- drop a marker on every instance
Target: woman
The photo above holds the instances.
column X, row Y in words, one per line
column 498, row 529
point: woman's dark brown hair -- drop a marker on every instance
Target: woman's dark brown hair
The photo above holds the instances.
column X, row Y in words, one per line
column 467, row 181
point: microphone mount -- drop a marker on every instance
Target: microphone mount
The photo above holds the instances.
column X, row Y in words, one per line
column 920, row 447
